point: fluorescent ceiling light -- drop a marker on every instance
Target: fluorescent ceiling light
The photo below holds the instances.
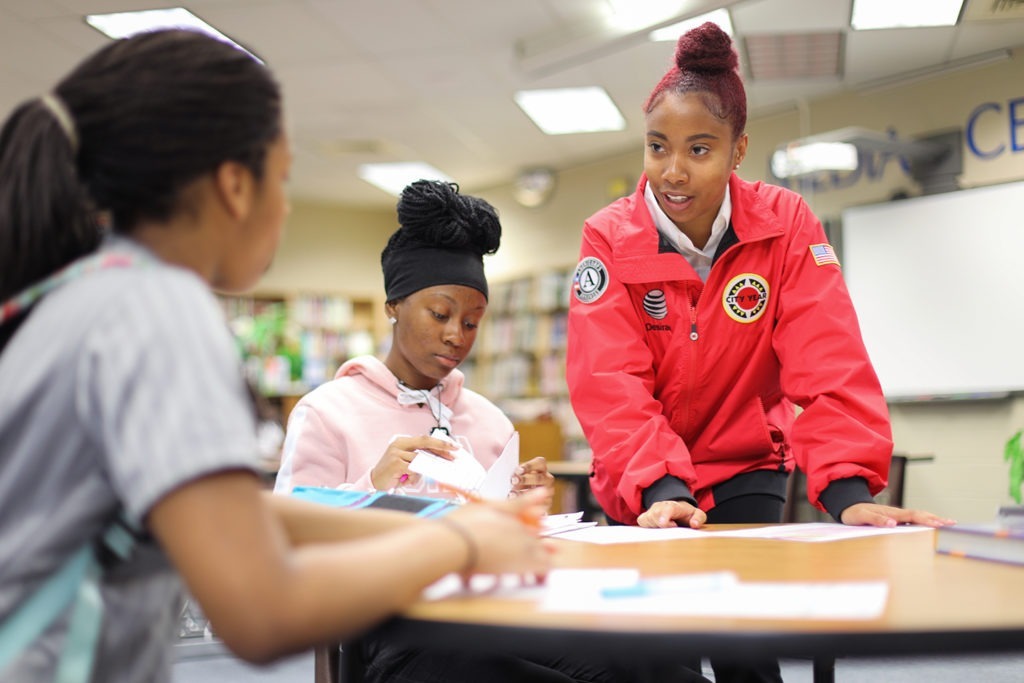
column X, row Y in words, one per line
column 719, row 16
column 875, row 14
column 124, row 24
column 393, row 177
column 631, row 15
column 571, row 110
column 796, row 160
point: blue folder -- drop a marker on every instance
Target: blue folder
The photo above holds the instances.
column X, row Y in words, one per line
column 420, row 506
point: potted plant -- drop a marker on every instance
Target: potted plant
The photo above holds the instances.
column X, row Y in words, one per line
column 1013, row 515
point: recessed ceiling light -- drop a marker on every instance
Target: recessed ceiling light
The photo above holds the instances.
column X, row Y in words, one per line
column 804, row 159
column 559, row 111
column 631, row 15
column 719, row 16
column 875, row 14
column 393, row 177
column 124, row 24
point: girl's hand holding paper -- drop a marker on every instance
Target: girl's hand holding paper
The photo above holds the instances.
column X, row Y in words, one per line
column 459, row 469
column 394, row 464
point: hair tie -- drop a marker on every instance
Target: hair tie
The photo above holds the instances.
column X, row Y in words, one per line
column 472, row 550
column 60, row 112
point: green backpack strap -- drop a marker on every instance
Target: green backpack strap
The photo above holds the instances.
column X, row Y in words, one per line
column 76, row 583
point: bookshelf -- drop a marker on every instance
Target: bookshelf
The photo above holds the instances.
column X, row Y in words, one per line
column 292, row 342
column 519, row 357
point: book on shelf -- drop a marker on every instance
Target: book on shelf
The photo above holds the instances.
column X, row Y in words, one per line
column 984, row 541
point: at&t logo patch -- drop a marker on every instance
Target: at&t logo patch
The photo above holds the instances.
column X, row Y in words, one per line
column 654, row 304
column 590, row 280
column 745, row 297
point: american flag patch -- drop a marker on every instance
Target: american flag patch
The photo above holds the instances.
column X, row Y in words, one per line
column 823, row 254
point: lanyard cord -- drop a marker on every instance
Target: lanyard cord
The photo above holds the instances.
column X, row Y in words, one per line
column 33, row 293
column 409, row 395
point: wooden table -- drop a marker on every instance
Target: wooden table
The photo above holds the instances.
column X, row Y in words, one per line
column 936, row 604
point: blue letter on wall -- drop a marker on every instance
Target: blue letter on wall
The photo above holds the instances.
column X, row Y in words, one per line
column 971, row 120
column 1017, row 124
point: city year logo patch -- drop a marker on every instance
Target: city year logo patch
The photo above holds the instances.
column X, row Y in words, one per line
column 590, row 280
column 654, row 304
column 745, row 297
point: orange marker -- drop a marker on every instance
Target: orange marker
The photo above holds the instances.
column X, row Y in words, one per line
column 532, row 521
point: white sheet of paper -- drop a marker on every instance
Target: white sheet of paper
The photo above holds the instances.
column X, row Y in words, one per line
column 552, row 525
column 814, row 532
column 606, row 535
column 464, row 471
column 504, row 586
column 713, row 595
column 497, row 483
column 817, row 532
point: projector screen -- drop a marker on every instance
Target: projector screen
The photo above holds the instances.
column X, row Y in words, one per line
column 938, row 284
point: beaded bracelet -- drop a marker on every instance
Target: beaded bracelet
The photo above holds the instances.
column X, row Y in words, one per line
column 471, row 549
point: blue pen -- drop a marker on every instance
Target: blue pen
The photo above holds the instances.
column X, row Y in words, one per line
column 677, row 584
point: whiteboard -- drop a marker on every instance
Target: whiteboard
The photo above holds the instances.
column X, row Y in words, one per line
column 938, row 284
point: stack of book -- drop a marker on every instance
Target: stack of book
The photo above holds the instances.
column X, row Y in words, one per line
column 1000, row 541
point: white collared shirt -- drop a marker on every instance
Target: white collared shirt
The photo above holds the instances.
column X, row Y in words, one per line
column 700, row 259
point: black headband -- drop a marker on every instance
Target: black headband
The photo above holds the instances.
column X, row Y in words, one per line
column 408, row 270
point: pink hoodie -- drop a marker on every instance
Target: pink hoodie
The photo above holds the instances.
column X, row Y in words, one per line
column 338, row 432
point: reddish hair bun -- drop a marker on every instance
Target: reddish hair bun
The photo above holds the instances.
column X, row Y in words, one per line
column 706, row 48
column 707, row 64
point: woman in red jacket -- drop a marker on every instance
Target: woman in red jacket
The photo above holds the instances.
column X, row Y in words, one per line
column 705, row 309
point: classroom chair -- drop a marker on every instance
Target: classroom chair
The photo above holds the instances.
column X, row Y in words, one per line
column 331, row 665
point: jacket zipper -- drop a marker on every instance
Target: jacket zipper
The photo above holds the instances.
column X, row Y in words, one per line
column 692, row 364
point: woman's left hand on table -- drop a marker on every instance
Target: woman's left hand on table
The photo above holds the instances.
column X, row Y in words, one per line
column 873, row 514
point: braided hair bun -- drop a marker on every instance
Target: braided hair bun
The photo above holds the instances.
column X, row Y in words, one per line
column 442, row 238
column 433, row 213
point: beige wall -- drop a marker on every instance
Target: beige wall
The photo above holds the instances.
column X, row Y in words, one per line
column 334, row 248
column 330, row 249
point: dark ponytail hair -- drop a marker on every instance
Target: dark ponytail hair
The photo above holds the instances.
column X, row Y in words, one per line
column 706, row 63
column 150, row 114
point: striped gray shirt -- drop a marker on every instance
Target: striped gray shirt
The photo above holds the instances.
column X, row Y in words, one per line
column 118, row 388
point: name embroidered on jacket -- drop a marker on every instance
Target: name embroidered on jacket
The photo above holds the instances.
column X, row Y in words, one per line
column 745, row 297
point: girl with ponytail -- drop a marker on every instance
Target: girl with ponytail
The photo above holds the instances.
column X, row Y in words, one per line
column 152, row 174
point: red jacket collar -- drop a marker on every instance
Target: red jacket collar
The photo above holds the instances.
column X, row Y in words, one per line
column 752, row 217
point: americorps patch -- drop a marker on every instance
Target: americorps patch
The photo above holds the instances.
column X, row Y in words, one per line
column 590, row 280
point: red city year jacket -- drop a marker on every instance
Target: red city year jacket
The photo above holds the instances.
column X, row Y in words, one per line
column 670, row 375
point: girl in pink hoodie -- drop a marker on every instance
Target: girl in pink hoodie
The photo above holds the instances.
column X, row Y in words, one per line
column 362, row 429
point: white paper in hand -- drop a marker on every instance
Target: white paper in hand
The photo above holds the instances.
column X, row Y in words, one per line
column 464, row 471
column 498, row 482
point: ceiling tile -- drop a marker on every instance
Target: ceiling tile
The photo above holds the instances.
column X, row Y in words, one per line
column 786, row 56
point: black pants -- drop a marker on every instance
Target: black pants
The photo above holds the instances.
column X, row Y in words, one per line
column 388, row 662
column 755, row 508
